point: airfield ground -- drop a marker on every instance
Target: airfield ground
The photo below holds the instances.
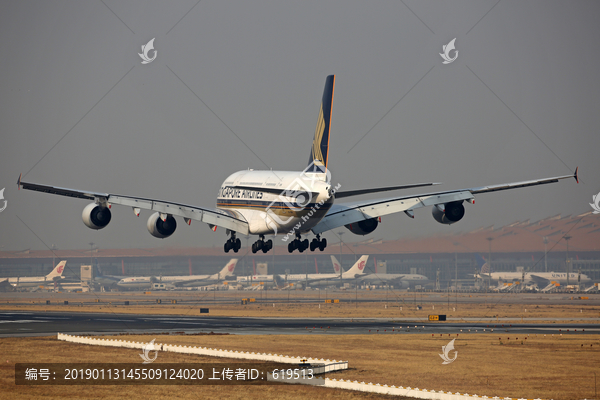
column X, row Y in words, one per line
column 508, row 307
column 492, row 364
column 558, row 367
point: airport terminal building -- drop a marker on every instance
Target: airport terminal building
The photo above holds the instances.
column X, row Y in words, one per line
column 542, row 246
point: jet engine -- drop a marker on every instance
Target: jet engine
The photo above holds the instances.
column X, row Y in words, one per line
column 453, row 212
column 401, row 285
column 159, row 228
column 96, row 216
column 363, row 227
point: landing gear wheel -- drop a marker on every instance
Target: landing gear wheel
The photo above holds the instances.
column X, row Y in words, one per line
column 232, row 244
column 260, row 244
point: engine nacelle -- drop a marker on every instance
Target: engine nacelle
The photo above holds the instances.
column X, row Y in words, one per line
column 363, row 227
column 453, row 212
column 401, row 285
column 159, row 228
column 95, row 216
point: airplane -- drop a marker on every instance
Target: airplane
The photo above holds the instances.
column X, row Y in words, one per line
column 180, row 281
column 289, row 203
column 356, row 271
column 34, row 281
column 106, row 280
column 542, row 280
column 401, row 281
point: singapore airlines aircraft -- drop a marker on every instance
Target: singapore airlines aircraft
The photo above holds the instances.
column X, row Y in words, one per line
column 292, row 203
column 35, row 281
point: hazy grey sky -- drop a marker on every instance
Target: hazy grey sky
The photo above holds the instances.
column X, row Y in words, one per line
column 524, row 68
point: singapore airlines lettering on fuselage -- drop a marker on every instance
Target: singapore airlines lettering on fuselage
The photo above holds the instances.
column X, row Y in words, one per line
column 290, row 203
column 232, row 193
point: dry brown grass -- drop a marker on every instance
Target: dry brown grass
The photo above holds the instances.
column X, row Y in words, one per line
column 48, row 349
column 546, row 367
column 483, row 308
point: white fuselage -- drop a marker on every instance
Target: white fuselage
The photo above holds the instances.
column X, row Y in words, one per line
column 309, row 279
column 409, row 279
column 30, row 282
column 527, row 278
column 285, row 206
column 183, row 280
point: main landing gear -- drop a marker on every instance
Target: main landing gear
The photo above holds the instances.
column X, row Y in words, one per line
column 301, row 245
column 260, row 244
column 318, row 243
column 232, row 244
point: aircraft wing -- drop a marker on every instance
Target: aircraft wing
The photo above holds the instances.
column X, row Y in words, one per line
column 540, row 281
column 348, row 213
column 191, row 282
column 5, row 284
column 210, row 216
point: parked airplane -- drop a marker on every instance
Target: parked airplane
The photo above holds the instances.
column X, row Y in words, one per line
column 35, row 281
column 542, row 280
column 356, row 271
column 106, row 280
column 286, row 202
column 400, row 281
column 180, row 281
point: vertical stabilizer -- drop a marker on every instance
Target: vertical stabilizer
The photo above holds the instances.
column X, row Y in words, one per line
column 357, row 269
column 484, row 266
column 57, row 271
column 227, row 269
column 320, row 147
column 337, row 267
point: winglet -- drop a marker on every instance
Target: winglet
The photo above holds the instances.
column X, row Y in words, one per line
column 19, row 182
column 576, row 174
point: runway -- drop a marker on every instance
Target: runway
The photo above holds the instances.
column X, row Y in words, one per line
column 15, row 324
